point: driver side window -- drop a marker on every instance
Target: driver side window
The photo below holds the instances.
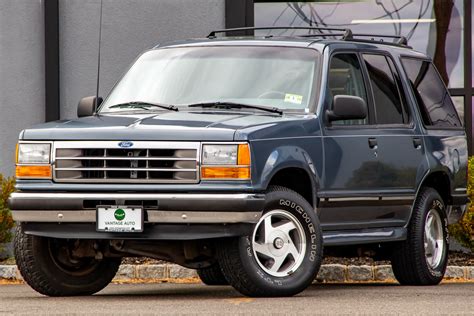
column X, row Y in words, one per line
column 345, row 78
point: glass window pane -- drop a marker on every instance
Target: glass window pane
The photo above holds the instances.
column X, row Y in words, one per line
column 269, row 76
column 345, row 78
column 433, row 99
column 388, row 106
column 459, row 105
column 432, row 27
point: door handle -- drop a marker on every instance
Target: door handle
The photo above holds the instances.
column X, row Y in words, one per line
column 373, row 142
column 417, row 142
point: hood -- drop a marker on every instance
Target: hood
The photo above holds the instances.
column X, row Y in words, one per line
column 179, row 126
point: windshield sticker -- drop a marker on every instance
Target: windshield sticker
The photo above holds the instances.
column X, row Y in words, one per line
column 293, row 98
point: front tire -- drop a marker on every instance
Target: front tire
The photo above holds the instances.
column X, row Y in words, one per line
column 282, row 256
column 423, row 257
column 47, row 266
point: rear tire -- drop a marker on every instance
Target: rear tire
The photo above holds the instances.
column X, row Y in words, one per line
column 212, row 275
column 282, row 256
column 46, row 265
column 423, row 257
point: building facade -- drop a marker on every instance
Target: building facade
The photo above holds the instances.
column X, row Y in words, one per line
column 49, row 48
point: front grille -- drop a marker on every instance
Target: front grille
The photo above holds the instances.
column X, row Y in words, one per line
column 155, row 162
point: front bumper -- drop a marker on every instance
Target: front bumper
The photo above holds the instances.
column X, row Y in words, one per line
column 167, row 215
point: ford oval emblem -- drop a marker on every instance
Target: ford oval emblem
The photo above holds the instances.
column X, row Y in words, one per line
column 125, row 144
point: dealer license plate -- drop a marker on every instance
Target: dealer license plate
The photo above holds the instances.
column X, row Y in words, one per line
column 119, row 219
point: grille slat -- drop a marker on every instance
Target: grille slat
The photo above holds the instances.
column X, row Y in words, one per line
column 124, row 158
column 125, row 169
column 155, row 162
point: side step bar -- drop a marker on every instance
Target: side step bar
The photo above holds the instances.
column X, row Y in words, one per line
column 364, row 236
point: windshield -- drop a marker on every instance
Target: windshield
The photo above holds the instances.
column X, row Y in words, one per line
column 280, row 77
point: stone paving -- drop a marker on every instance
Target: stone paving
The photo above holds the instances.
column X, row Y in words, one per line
column 327, row 273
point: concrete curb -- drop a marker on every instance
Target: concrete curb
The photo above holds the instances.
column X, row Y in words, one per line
column 327, row 273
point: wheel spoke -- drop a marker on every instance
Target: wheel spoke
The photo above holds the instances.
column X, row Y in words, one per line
column 262, row 249
column 286, row 227
column 427, row 235
column 292, row 250
column 278, row 261
column 428, row 225
column 268, row 227
column 429, row 248
column 429, row 221
column 433, row 231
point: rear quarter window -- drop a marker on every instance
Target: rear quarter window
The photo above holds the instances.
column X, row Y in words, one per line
column 435, row 104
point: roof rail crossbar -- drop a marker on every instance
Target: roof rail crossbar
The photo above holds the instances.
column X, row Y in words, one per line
column 345, row 33
column 241, row 29
column 321, row 35
column 400, row 40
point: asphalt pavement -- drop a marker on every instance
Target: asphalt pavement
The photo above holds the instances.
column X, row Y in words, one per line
column 171, row 299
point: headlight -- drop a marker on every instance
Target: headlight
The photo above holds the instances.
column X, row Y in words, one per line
column 33, row 161
column 219, row 154
column 225, row 162
column 34, row 153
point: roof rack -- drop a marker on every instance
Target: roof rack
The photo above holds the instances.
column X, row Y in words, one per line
column 345, row 34
column 400, row 40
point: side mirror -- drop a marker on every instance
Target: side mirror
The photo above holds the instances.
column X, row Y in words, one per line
column 346, row 107
column 88, row 105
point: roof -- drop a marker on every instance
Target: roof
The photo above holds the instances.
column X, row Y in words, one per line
column 320, row 38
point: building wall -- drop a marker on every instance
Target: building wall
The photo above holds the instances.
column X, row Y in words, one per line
column 128, row 28
column 21, row 73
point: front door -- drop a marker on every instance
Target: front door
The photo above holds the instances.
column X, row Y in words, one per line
column 370, row 165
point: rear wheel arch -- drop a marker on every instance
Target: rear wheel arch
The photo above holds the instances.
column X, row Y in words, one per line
column 438, row 180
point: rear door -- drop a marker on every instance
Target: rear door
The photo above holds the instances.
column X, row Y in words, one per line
column 400, row 146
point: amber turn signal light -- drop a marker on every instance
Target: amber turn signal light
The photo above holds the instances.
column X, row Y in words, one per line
column 242, row 173
column 243, row 154
column 16, row 153
column 37, row 172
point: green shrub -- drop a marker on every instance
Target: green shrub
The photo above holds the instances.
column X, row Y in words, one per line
column 463, row 232
column 6, row 221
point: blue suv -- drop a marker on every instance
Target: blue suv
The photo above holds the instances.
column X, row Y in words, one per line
column 241, row 157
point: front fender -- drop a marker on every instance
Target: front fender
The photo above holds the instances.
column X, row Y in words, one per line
column 282, row 157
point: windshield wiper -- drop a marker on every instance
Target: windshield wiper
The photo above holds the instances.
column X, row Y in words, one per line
column 144, row 105
column 232, row 105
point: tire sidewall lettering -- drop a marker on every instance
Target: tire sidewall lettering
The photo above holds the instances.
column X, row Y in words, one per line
column 312, row 248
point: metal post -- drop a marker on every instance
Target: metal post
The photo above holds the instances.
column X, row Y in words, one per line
column 51, row 47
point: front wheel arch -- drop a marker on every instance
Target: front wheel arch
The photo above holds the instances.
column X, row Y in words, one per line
column 296, row 179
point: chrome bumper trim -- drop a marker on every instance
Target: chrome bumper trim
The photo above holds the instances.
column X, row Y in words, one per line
column 169, row 217
column 238, row 202
column 55, row 216
column 203, row 217
column 169, row 207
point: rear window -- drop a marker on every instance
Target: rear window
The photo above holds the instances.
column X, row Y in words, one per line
column 436, row 107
